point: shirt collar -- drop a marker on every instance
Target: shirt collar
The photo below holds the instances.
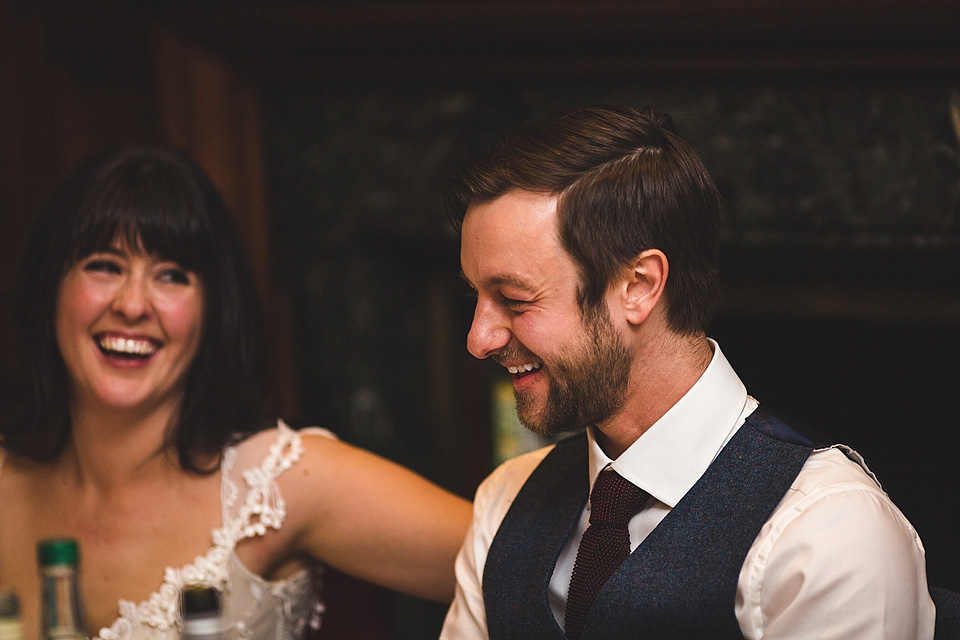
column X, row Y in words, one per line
column 671, row 456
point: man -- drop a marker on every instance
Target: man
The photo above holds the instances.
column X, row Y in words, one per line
column 591, row 241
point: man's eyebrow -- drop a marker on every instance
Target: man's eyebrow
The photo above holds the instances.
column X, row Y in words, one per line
column 498, row 281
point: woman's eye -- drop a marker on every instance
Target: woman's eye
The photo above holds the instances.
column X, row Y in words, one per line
column 101, row 265
column 175, row 276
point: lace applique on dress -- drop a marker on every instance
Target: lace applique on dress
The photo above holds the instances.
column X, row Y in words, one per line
column 262, row 508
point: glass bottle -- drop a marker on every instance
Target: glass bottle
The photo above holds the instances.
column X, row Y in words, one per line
column 11, row 626
column 200, row 613
column 60, row 610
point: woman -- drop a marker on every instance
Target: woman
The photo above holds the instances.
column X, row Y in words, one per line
column 140, row 434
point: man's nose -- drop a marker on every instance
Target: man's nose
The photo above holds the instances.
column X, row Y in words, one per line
column 489, row 332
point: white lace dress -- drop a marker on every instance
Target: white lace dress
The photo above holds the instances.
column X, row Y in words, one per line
column 254, row 608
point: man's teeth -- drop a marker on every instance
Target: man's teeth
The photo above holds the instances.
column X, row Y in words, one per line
column 127, row 345
column 524, row 368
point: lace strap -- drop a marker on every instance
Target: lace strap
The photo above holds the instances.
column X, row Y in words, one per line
column 263, row 506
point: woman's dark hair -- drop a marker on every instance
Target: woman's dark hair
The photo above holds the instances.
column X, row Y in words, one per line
column 161, row 201
column 626, row 183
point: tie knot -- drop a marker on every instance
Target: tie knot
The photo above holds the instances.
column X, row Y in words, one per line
column 614, row 500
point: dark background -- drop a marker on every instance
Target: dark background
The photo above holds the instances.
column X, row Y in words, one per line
column 831, row 130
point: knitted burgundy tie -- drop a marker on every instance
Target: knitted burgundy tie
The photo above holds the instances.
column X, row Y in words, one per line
column 604, row 546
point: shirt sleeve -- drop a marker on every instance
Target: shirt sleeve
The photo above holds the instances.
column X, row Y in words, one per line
column 466, row 618
column 836, row 560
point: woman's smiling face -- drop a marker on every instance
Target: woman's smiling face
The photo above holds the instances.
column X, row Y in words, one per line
column 128, row 326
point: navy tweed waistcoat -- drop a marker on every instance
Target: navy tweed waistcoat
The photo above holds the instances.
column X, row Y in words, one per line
column 681, row 581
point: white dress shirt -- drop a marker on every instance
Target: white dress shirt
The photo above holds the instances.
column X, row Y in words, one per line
column 835, row 560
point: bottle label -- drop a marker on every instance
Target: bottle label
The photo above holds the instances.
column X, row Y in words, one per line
column 201, row 625
column 11, row 629
column 202, row 628
column 64, row 634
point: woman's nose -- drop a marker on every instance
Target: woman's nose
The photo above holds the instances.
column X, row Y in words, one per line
column 131, row 300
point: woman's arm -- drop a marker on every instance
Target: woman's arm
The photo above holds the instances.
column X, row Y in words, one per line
column 374, row 519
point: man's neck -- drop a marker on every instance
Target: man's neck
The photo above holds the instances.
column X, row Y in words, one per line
column 663, row 372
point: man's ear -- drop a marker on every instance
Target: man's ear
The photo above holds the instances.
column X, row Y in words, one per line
column 646, row 279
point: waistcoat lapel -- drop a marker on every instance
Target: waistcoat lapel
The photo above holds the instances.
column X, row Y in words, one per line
column 681, row 581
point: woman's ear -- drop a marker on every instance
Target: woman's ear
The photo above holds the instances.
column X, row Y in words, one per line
column 644, row 285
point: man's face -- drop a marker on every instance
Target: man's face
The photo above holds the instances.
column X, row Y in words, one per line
column 569, row 371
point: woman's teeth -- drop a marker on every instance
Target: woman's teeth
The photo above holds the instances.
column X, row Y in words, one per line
column 127, row 346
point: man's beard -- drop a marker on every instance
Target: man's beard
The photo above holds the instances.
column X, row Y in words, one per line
column 585, row 387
